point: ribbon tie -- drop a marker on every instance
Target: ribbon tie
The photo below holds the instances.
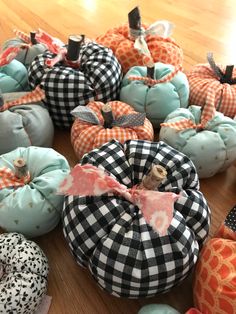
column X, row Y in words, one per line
column 8, row 179
column 208, row 113
column 36, row 95
column 88, row 180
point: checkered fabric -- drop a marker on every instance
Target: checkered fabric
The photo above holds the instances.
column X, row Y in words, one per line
column 8, row 179
column 98, row 78
column 109, row 235
column 202, row 78
column 87, row 136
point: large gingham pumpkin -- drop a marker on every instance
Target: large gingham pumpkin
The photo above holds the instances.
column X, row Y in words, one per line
column 212, row 149
column 221, row 79
column 13, row 77
column 24, row 125
column 214, row 285
column 33, row 208
column 86, row 135
column 110, row 236
column 157, row 96
column 122, row 40
column 98, row 77
column 23, row 274
column 31, row 49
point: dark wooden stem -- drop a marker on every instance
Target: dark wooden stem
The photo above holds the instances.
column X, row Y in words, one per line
column 153, row 178
column 21, row 169
column 32, row 38
column 150, row 71
column 107, row 116
column 134, row 18
column 74, row 44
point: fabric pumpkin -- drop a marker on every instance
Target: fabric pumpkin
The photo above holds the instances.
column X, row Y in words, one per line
column 23, row 280
column 97, row 78
column 212, row 149
column 110, row 236
column 123, row 43
column 221, row 79
column 157, row 308
column 86, row 136
column 32, row 208
column 157, row 97
column 13, row 77
column 214, row 288
column 26, row 55
column 24, row 125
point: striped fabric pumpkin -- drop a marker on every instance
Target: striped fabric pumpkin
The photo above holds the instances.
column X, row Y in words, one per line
column 86, row 136
column 205, row 77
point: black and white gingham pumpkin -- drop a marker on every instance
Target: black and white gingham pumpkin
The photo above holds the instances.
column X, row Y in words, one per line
column 110, row 236
column 97, row 78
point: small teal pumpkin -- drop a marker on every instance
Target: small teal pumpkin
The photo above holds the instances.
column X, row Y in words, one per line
column 157, row 309
column 158, row 100
column 26, row 55
column 13, row 77
column 35, row 208
column 212, row 149
column 24, row 125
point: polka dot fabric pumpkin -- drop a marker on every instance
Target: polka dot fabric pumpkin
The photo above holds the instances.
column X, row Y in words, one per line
column 214, row 287
column 98, row 77
column 109, row 235
column 23, row 274
column 221, row 79
column 86, row 136
column 31, row 207
column 162, row 49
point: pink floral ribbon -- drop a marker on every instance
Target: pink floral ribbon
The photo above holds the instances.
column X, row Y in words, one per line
column 8, row 179
column 151, row 82
column 88, row 180
column 36, row 95
column 208, row 113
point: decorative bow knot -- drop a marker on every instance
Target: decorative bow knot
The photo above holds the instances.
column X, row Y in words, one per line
column 126, row 121
column 8, row 179
column 88, row 180
column 208, row 113
column 36, row 95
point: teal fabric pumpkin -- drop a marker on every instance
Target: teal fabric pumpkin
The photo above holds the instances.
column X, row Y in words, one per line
column 35, row 208
column 27, row 55
column 157, row 309
column 212, row 149
column 24, row 125
column 13, row 77
column 159, row 100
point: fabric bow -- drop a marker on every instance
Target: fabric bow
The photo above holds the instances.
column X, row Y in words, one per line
column 8, row 179
column 88, row 180
column 208, row 113
column 36, row 95
column 88, row 115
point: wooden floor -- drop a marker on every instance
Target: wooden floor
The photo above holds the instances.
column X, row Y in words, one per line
column 200, row 26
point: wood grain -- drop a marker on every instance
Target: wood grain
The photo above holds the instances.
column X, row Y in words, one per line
column 200, row 26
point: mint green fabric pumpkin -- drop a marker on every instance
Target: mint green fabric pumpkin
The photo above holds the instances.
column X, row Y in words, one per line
column 159, row 100
column 24, row 125
column 212, row 150
column 35, row 208
column 157, row 309
column 27, row 55
column 13, row 77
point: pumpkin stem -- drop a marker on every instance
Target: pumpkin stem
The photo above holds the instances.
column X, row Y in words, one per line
column 21, row 169
column 134, row 18
column 150, row 71
column 32, row 38
column 107, row 116
column 154, row 178
column 74, row 44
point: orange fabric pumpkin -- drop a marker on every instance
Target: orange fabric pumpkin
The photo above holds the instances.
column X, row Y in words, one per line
column 86, row 136
column 215, row 276
column 121, row 40
column 205, row 77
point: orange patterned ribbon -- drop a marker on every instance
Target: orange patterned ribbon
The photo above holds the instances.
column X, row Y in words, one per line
column 36, row 95
column 151, row 82
column 208, row 113
column 9, row 180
